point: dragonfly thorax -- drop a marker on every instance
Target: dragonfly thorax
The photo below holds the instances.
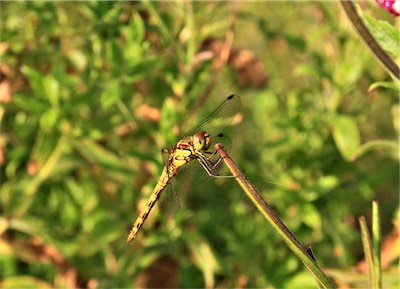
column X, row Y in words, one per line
column 202, row 141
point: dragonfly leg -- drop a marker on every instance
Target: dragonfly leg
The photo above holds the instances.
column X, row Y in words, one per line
column 209, row 168
column 208, row 159
column 211, row 154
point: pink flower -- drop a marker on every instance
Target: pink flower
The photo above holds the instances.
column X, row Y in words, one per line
column 393, row 6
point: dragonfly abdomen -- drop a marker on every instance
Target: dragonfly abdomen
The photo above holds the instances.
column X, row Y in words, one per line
column 162, row 183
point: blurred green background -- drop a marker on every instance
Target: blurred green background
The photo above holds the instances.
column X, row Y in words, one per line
column 91, row 92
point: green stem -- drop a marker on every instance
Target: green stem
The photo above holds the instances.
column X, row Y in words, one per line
column 164, row 30
column 271, row 216
column 42, row 175
column 376, row 237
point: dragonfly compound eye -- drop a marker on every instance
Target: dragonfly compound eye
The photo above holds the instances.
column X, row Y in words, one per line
column 201, row 141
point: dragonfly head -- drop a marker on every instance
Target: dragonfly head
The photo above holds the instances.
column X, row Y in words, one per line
column 202, row 141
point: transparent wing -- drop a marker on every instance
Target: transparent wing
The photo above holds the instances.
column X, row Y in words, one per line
column 169, row 201
column 219, row 119
column 165, row 156
column 193, row 173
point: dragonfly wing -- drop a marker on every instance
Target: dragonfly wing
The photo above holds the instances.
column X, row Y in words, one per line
column 169, row 201
column 165, row 156
column 190, row 174
column 220, row 118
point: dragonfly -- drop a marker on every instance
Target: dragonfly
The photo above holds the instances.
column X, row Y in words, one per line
column 194, row 145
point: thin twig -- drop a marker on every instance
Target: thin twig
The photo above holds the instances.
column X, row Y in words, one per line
column 272, row 217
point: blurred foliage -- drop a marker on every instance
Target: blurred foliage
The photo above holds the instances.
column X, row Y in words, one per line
column 91, row 91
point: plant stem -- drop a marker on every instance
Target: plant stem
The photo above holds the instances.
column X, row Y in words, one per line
column 271, row 216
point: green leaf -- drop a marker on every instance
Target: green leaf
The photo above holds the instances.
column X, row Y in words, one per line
column 51, row 89
column 46, row 87
column 110, row 95
column 326, row 184
column 168, row 119
column 368, row 247
column 346, row 136
column 310, row 216
column 204, row 258
column 49, row 119
column 30, row 104
column 35, row 80
column 387, row 145
column 24, row 282
column 137, row 29
column 386, row 34
column 100, row 155
column 386, row 84
column 105, row 230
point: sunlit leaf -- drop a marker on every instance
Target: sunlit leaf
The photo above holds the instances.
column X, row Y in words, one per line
column 386, row 34
column 346, row 136
column 310, row 215
column 17, row 282
column 204, row 258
